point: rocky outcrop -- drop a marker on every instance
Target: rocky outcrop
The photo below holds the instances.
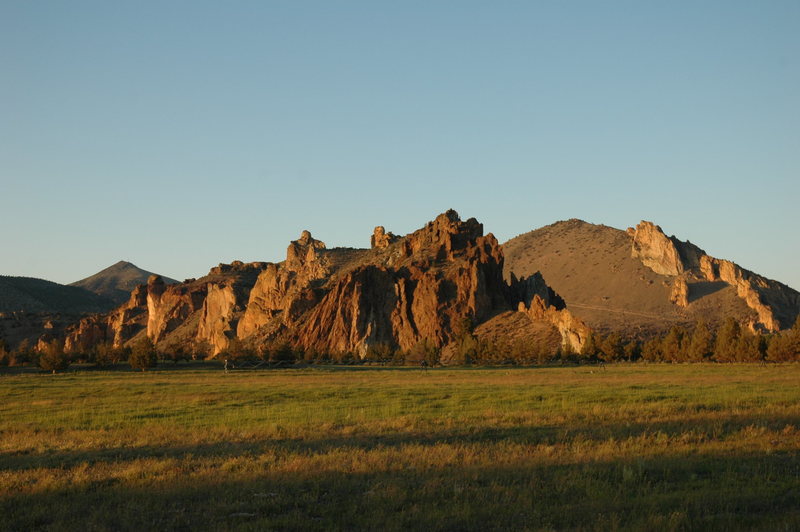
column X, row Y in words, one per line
column 381, row 239
column 428, row 286
column 655, row 249
column 169, row 306
column 303, row 255
column 534, row 285
column 225, row 303
column 285, row 290
column 573, row 330
column 404, row 290
column 775, row 304
column 129, row 319
column 767, row 298
column 679, row 294
column 86, row 334
column 446, row 272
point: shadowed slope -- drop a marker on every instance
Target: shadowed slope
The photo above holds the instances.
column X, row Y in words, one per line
column 29, row 294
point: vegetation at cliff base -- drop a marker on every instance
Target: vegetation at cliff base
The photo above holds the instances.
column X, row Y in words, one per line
column 632, row 446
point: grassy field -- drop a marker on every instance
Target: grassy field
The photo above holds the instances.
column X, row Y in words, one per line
column 649, row 447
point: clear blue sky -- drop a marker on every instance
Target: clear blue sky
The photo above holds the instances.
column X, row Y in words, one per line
column 178, row 135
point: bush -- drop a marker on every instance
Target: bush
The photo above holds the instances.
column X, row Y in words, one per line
column 424, row 351
column 23, row 354
column 378, row 352
column 5, row 354
column 784, row 347
column 282, row 352
column 144, row 355
column 53, row 357
column 107, row 354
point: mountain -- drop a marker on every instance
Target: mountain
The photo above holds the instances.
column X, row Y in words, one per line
column 31, row 295
column 640, row 281
column 31, row 307
column 116, row 282
column 540, row 291
column 419, row 291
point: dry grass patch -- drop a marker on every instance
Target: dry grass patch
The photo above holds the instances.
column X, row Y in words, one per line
column 666, row 447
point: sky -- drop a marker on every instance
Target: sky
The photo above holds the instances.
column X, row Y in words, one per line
column 178, row 135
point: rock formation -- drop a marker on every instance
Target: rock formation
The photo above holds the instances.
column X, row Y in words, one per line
column 642, row 282
column 422, row 288
column 680, row 292
column 285, row 290
column 381, row 239
column 411, row 288
column 670, row 256
column 655, row 250
column 574, row 331
column 174, row 315
column 769, row 299
column 402, row 291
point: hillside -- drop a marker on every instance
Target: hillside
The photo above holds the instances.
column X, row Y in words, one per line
column 117, row 281
column 639, row 281
column 28, row 294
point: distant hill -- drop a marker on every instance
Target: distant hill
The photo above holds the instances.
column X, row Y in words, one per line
column 117, row 281
column 29, row 294
column 640, row 280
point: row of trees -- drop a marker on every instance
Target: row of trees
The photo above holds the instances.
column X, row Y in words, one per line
column 699, row 343
column 50, row 355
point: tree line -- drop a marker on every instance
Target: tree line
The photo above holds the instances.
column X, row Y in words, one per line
column 698, row 343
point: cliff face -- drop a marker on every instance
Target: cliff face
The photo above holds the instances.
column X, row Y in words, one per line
column 573, row 330
column 169, row 306
column 424, row 286
column 285, row 290
column 397, row 293
column 429, row 284
column 194, row 313
column 775, row 305
column 651, row 246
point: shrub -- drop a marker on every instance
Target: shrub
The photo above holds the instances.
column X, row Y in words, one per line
column 107, row 354
column 143, row 355
column 282, row 352
column 53, row 357
column 424, row 351
column 378, row 352
column 5, row 354
column 23, row 354
column 784, row 347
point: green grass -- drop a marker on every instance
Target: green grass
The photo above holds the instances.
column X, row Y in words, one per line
column 649, row 447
